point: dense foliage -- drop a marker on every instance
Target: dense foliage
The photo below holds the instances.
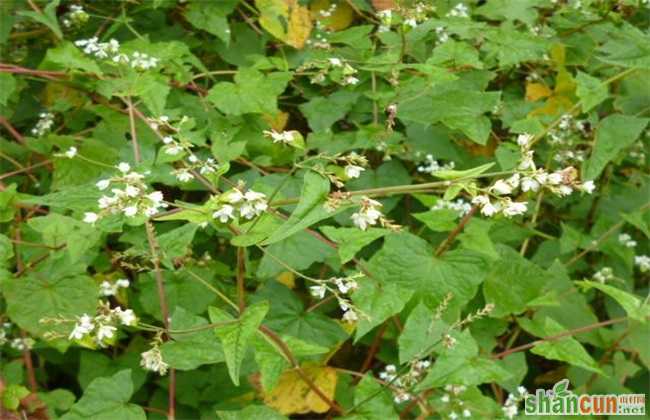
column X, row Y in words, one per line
column 246, row 209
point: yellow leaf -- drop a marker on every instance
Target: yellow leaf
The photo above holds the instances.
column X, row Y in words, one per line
column 277, row 121
column 558, row 55
column 340, row 19
column 293, row 396
column 287, row 278
column 286, row 20
column 564, row 83
column 536, row 91
column 553, row 106
column 59, row 92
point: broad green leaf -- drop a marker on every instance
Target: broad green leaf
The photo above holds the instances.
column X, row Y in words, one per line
column 57, row 401
column 6, row 249
column 212, row 17
column 456, row 54
column 513, row 282
column 628, row 47
column 107, row 399
column 565, row 349
column 408, row 262
column 53, row 292
column 309, row 210
column 176, row 243
column 613, row 134
column 7, row 87
column 442, row 220
column 252, row 92
column 476, row 237
column 374, row 401
column 417, row 335
column 188, row 351
column 590, row 90
column 466, row 174
column 67, row 56
column 635, row 308
column 235, row 338
column 352, row 240
column 301, row 250
column 47, row 17
column 11, row 396
column 377, row 303
column 322, row 112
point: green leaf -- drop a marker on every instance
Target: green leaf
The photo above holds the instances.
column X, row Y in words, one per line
column 476, row 237
column 12, row 395
column 252, row 92
column 236, row 337
column 417, row 335
column 566, row 349
column 590, row 90
column 322, row 112
column 373, row 401
column 466, row 174
column 455, row 54
column 7, row 87
column 107, row 399
column 176, row 243
column 211, row 17
column 513, row 282
column 408, row 262
column 69, row 57
column 188, row 351
column 301, row 250
column 49, row 293
column 352, row 240
column 252, row 412
column 635, row 308
column 309, row 210
column 614, row 133
column 378, row 302
column 47, row 17
column 6, row 249
column 442, row 220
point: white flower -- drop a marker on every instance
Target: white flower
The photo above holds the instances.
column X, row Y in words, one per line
column 555, row 178
column 336, row 62
column 522, row 390
column 83, row 327
column 467, row 413
column 130, row 211
column 588, row 187
column 105, row 332
column 564, row 190
column 350, row 316
column 353, row 171
column 106, row 201
column 225, row 213
column 71, row 152
column 123, row 283
column 481, row 200
column 344, row 286
column 529, row 184
column 445, row 398
column 173, row 149
column 126, row 317
column 155, row 196
column 318, row 291
column 132, row 191
column 453, row 415
column 234, row 196
column 527, row 161
column 643, row 262
column 102, row 184
column 152, row 360
column 90, row 217
column 168, row 139
column 254, row 195
column 184, row 175
column 515, row 208
column 124, row 167
column 107, row 289
column 523, row 140
column 193, row 158
column 247, row 211
column 350, row 80
column 501, row 187
column 510, row 411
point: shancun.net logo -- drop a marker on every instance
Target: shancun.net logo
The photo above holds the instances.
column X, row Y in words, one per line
column 562, row 401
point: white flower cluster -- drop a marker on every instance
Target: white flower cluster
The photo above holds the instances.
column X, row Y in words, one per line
column 626, row 240
column 354, row 163
column 70, row 153
column 102, row 327
column 459, row 10
column 152, row 360
column 510, row 408
column 643, row 262
column 44, row 124
column 637, row 152
column 368, row 214
column 132, row 200
column 21, row 344
column 326, row 13
column 107, row 288
column 339, row 286
column 111, row 50
column 529, row 178
column 460, row 206
column 386, row 20
column 430, row 165
column 452, row 392
column 249, row 204
column 77, row 17
column 400, row 384
column 442, row 34
column 285, row 137
column 604, row 274
column 566, row 156
column 320, row 34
